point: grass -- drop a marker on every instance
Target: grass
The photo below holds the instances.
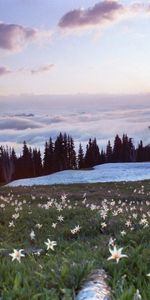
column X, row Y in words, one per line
column 59, row 274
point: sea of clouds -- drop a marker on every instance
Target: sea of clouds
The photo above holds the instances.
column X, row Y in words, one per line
column 36, row 118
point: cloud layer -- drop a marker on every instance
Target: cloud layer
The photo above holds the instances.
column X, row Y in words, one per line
column 93, row 120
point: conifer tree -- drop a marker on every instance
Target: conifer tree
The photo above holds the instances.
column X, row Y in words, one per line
column 48, row 161
column 81, row 164
column 71, row 154
column 37, row 163
column 117, row 149
column 26, row 163
column 109, row 153
column 140, row 152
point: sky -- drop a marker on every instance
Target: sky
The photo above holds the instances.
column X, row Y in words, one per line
column 80, row 57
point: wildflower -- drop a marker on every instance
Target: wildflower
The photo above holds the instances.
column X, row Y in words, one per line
column 32, row 235
column 17, row 255
column 103, row 225
column 11, row 224
column 111, row 242
column 60, row 218
column 128, row 223
column 116, row 254
column 50, row 244
column 63, row 197
column 54, row 225
column 76, row 229
column 123, row 232
column 137, row 295
column 38, row 226
column 15, row 216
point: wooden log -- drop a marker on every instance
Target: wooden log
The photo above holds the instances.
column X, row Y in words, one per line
column 95, row 287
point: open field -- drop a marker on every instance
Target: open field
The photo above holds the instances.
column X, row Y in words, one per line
column 29, row 216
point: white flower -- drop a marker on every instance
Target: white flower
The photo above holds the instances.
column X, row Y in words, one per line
column 128, row 223
column 38, row 226
column 15, row 216
column 50, row 244
column 116, row 254
column 32, row 235
column 111, row 242
column 63, row 197
column 17, row 255
column 60, row 218
column 76, row 229
column 54, row 225
column 137, row 295
column 103, row 225
column 11, row 224
column 123, row 232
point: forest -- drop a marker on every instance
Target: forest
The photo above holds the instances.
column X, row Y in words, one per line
column 60, row 154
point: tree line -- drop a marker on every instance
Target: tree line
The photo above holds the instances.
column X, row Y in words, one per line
column 60, row 154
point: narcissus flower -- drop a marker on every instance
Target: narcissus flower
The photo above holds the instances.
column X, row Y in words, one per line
column 50, row 244
column 116, row 254
column 32, row 235
column 17, row 255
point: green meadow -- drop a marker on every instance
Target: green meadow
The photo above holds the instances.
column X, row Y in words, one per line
column 85, row 221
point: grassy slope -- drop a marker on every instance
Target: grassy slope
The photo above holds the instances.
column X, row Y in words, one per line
column 58, row 274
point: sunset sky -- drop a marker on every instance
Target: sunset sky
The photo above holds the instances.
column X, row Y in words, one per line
column 86, row 46
column 75, row 47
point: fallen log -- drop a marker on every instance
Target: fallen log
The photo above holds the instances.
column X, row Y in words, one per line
column 95, row 287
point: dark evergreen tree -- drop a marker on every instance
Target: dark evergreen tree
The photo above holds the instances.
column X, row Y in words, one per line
column 102, row 157
column 7, row 164
column 71, row 154
column 81, row 163
column 89, row 155
column 59, row 154
column 109, row 153
column 140, row 152
column 125, row 149
column 48, row 161
column 132, row 152
column 13, row 159
column 37, row 163
column 117, row 149
column 92, row 155
column 26, row 162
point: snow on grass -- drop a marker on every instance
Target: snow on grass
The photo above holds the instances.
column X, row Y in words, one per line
column 112, row 172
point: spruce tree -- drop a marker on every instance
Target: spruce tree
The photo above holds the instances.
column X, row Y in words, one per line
column 109, row 153
column 81, row 163
column 117, row 149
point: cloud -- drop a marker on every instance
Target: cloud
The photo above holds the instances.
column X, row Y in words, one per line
column 41, row 69
column 99, row 120
column 14, row 37
column 4, row 71
column 18, row 123
column 102, row 13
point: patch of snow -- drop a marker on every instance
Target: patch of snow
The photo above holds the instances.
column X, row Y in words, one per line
column 112, row 172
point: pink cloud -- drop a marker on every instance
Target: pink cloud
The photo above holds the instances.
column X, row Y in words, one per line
column 42, row 69
column 4, row 70
column 14, row 37
column 100, row 14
